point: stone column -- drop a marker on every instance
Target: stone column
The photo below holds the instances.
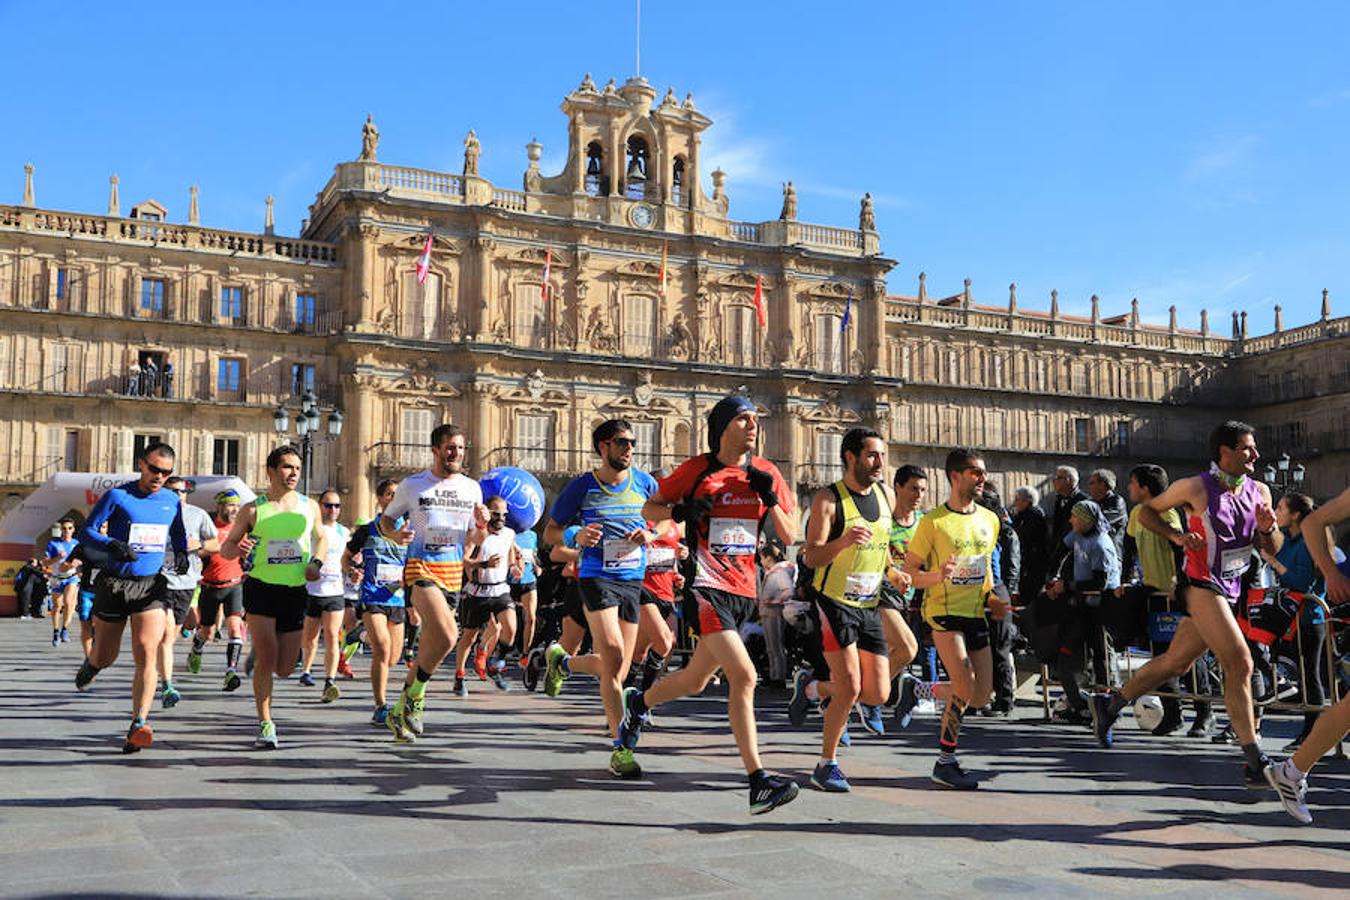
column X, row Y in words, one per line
column 361, row 430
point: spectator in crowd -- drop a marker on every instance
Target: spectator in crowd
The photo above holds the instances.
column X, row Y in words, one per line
column 1089, row 568
column 1101, row 489
column 166, row 380
column 1029, row 521
column 1065, row 481
column 778, row 586
column 133, row 379
column 1293, row 570
column 30, row 587
column 149, row 378
column 1003, row 632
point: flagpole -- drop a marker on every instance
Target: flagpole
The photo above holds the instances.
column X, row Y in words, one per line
column 637, row 66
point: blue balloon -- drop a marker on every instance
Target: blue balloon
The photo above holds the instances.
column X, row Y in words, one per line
column 523, row 493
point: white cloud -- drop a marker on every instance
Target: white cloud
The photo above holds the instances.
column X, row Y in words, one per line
column 1330, row 98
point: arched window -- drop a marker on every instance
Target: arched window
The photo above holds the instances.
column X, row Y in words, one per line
column 677, row 190
column 596, row 183
column 636, row 168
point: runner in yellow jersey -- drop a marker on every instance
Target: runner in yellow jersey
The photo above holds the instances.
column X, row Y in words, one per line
column 950, row 557
column 848, row 545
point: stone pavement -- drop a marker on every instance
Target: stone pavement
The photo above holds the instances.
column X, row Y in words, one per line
column 509, row 795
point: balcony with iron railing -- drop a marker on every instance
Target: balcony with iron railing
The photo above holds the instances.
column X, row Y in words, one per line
column 145, row 384
column 277, row 316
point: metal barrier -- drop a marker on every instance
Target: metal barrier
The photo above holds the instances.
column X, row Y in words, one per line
column 1195, row 695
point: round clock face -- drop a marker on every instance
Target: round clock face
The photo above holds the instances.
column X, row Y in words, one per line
column 642, row 215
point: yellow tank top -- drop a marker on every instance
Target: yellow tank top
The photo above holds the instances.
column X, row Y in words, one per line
column 854, row 577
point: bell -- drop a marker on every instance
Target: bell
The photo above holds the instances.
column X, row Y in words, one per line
column 637, row 170
column 593, row 166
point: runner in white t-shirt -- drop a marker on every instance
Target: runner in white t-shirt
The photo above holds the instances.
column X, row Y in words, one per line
column 487, row 606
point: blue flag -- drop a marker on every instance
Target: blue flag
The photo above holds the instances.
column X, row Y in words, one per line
column 848, row 312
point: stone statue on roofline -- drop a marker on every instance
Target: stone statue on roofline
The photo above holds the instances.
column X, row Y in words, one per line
column 472, row 149
column 867, row 216
column 789, row 212
column 370, row 139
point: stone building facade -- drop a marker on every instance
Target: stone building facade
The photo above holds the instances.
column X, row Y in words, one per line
column 615, row 287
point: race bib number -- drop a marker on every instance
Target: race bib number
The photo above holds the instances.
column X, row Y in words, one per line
column 148, row 538
column 861, row 587
column 732, row 537
column 621, row 554
column 660, row 559
column 970, row 570
column 284, row 552
column 1232, row 563
column 388, row 573
column 445, row 526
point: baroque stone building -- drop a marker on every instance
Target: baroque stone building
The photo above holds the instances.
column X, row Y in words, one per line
column 615, row 287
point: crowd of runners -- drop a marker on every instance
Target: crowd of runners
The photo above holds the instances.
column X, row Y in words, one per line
column 624, row 561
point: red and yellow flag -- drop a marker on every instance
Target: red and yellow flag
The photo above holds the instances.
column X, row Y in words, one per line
column 548, row 263
column 759, row 302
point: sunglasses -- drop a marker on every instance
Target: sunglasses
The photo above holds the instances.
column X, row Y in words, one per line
column 156, row 470
column 624, row 442
column 183, row 491
column 332, row 506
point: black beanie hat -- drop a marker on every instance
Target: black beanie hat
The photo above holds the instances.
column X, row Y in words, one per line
column 721, row 415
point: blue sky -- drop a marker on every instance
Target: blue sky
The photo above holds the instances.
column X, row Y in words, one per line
column 1193, row 154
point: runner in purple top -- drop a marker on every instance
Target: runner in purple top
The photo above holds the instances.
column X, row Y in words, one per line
column 1228, row 515
column 1227, row 522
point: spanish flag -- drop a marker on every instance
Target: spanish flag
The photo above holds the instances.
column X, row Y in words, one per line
column 424, row 262
column 548, row 264
column 663, row 267
column 759, row 302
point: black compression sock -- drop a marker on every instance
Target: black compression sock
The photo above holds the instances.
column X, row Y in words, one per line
column 757, row 776
column 232, row 650
column 1255, row 758
column 1118, row 702
column 423, row 675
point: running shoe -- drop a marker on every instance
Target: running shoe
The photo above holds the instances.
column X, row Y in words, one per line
column 1202, row 727
column 139, row 736
column 56, row 639
column 909, row 697
column 381, row 716
column 1102, row 719
column 480, row 664
column 630, row 726
column 623, row 765
column 1292, row 786
column 330, row 693
column 554, row 676
column 1171, row 720
column 345, row 669
column 953, row 776
column 412, row 715
column 306, row 679
column 194, row 662
column 529, row 671
column 800, row 704
column 232, row 681
column 829, row 778
column 460, row 689
column 267, row 736
column 871, row 718
column 65, row 639
column 397, row 723
column 170, row 696
column 773, row 791
column 85, row 676
column 184, row 632
column 1227, row 736
column 500, row 683
column 1255, row 779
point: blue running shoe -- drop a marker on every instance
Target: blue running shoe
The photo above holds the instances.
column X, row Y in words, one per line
column 772, row 792
column 307, row 679
column 381, row 716
column 800, row 704
column 630, row 726
column 830, row 779
column 1103, row 719
column 871, row 718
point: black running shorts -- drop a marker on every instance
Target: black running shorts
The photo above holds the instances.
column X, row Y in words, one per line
column 397, row 615
column 211, row 599
column 118, row 597
column 476, row 612
column 317, row 606
column 976, row 631
column 842, row 626
column 708, row 610
column 282, row 602
column 602, row 593
column 178, row 601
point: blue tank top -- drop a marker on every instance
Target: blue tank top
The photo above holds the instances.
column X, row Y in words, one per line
column 527, row 542
column 381, row 566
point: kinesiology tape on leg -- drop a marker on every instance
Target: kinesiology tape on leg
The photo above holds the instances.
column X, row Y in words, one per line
column 951, row 723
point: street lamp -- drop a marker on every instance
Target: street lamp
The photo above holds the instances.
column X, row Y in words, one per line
column 1285, row 474
column 307, row 428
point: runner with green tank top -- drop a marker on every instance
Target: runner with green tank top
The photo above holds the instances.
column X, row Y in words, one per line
column 282, row 533
column 848, row 540
column 911, row 484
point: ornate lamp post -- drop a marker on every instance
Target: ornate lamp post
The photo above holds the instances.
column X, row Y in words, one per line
column 1282, row 476
column 306, row 427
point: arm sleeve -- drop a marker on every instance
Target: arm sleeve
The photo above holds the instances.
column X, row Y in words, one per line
column 97, row 516
column 358, row 539
column 178, row 532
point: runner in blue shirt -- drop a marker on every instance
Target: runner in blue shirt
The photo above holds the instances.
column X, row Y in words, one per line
column 144, row 524
column 524, row 595
column 613, row 541
column 64, row 582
